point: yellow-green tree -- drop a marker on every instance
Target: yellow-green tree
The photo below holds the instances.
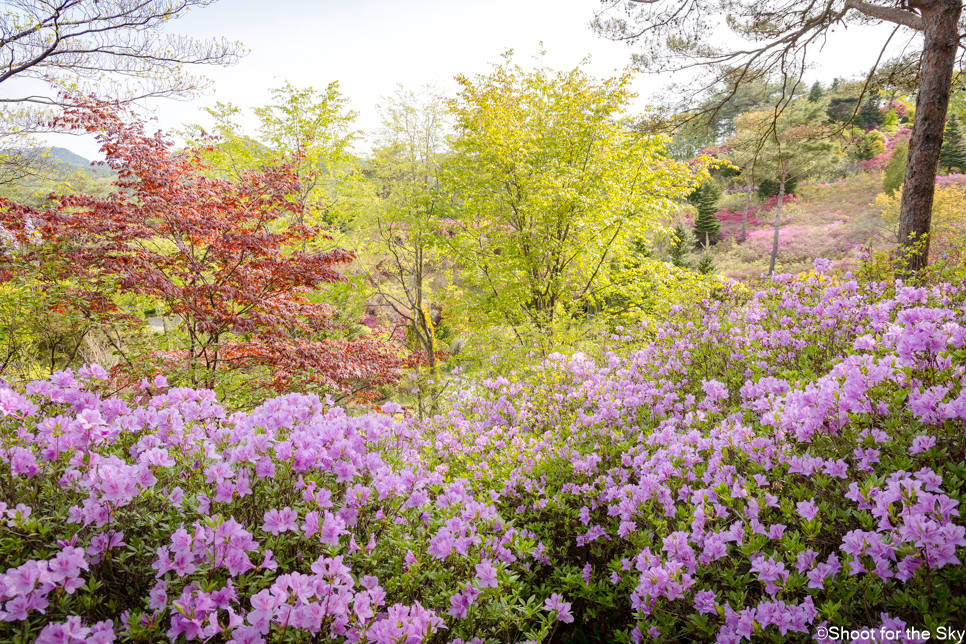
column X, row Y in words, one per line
column 550, row 187
column 401, row 223
column 315, row 127
column 948, row 214
column 787, row 148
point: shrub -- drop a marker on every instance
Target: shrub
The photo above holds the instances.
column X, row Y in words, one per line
column 895, row 170
column 948, row 226
column 763, row 465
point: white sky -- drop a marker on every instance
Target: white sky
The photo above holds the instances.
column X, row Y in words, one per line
column 370, row 46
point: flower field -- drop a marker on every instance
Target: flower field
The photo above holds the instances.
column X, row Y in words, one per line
column 753, row 469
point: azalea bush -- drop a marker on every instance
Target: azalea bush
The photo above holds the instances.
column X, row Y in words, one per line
column 754, row 467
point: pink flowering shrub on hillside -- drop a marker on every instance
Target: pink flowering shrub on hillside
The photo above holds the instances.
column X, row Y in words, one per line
column 751, row 469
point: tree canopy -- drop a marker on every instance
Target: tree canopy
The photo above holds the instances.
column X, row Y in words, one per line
column 552, row 186
column 114, row 49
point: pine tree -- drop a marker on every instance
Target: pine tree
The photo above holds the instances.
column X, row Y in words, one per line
column 680, row 246
column 705, row 265
column 816, row 94
column 953, row 153
column 870, row 112
column 705, row 199
column 895, row 172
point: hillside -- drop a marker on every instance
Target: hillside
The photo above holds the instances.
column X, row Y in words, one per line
column 70, row 161
column 823, row 219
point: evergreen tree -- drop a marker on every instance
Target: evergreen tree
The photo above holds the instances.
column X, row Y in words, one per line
column 895, row 172
column 816, row 94
column 705, row 265
column 680, row 246
column 706, row 228
column 953, row 153
column 840, row 109
column 705, row 199
column 870, row 112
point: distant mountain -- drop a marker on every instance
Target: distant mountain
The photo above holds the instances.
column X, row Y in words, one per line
column 65, row 155
column 74, row 162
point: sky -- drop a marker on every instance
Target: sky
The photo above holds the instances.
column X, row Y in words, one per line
column 370, row 46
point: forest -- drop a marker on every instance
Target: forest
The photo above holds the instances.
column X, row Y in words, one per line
column 527, row 363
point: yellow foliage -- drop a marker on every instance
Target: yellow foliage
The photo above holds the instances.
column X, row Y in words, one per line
column 948, row 214
column 647, row 287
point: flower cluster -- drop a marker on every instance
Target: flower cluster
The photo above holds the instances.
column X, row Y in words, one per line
column 760, row 464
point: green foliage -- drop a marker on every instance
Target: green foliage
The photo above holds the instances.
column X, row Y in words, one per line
column 680, row 246
column 705, row 198
column 895, row 172
column 312, row 127
column 706, row 228
column 400, row 225
column 864, row 146
column 816, row 93
column 705, row 265
column 770, row 187
column 953, row 153
column 871, row 114
column 795, row 146
column 841, row 109
column 890, row 124
column 552, row 189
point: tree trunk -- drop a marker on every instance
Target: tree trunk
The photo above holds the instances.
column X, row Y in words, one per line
column 941, row 35
column 778, row 221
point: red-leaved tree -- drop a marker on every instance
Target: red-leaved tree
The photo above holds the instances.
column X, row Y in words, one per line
column 221, row 257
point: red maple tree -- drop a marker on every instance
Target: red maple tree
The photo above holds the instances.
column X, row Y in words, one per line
column 221, row 257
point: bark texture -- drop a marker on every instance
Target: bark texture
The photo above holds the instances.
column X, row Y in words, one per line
column 941, row 35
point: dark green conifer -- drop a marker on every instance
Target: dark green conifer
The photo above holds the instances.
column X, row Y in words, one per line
column 680, row 246
column 705, row 199
column 870, row 112
column 815, row 95
column 953, row 153
column 705, row 265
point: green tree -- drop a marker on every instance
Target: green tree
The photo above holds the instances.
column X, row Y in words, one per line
column 890, row 124
column 551, row 189
column 841, row 109
column 953, row 153
column 312, row 126
column 863, row 145
column 705, row 199
column 771, row 36
column 681, row 244
column 816, row 93
column 402, row 226
column 871, row 115
column 794, row 145
column 705, row 265
column 896, row 168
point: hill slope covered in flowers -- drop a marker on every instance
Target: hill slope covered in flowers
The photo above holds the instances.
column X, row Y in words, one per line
column 754, row 468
